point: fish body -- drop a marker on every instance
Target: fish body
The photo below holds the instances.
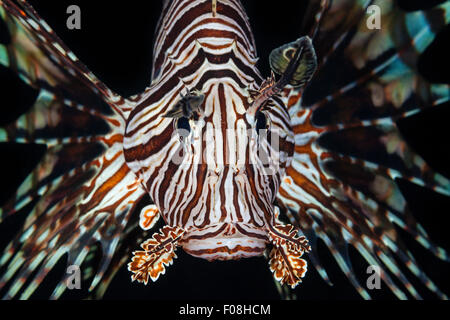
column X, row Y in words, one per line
column 211, row 183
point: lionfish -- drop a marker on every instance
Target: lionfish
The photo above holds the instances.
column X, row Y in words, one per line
column 234, row 163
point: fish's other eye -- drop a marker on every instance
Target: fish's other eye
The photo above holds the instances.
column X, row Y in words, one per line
column 261, row 121
column 183, row 127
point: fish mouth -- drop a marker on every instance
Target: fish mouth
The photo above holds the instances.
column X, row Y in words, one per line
column 225, row 241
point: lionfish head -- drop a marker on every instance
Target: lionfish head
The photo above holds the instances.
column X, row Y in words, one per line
column 228, row 162
column 212, row 154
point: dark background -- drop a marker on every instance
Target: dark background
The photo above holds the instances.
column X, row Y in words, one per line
column 115, row 42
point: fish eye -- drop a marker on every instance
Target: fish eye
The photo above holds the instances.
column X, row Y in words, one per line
column 183, row 127
column 261, row 121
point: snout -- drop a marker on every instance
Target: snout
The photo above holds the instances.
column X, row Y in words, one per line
column 225, row 241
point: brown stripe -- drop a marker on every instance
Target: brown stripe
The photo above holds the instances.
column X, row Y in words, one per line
column 225, row 249
column 206, row 235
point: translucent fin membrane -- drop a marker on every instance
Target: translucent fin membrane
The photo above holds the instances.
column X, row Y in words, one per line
column 85, row 191
column 341, row 185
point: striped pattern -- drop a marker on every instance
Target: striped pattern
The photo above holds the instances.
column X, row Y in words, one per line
column 341, row 187
column 82, row 192
column 214, row 178
column 217, row 195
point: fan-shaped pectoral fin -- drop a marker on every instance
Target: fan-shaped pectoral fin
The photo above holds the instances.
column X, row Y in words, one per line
column 159, row 252
column 285, row 257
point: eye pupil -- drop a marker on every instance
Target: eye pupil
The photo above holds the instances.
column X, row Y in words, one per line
column 183, row 127
column 261, row 121
column 183, row 123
